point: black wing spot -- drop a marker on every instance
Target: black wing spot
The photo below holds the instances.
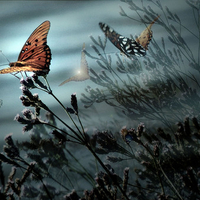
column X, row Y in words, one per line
column 36, row 45
column 32, row 50
column 28, row 43
column 36, row 40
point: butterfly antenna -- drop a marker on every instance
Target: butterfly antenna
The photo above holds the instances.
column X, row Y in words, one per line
column 4, row 56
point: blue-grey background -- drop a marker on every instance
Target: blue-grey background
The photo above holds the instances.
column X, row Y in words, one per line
column 72, row 22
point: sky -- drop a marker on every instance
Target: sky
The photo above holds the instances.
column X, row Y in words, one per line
column 72, row 22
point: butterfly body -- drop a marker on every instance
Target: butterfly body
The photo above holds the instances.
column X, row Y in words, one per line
column 126, row 45
column 35, row 55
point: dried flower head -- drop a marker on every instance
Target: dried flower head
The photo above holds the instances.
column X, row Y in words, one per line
column 62, row 139
column 74, row 102
column 10, row 149
column 38, row 82
column 28, row 83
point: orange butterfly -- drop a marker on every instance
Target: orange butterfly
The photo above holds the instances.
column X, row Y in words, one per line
column 35, row 55
column 83, row 73
column 146, row 35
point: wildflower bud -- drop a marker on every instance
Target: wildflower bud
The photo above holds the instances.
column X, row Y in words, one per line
column 28, row 83
column 37, row 81
column 27, row 93
column 109, row 168
column 35, row 97
column 27, row 113
column 74, row 102
column 22, row 98
column 8, row 139
column 86, row 193
column 6, row 160
column 99, row 182
column 28, row 127
column 20, row 119
column 140, row 129
column 11, row 151
column 35, row 77
column 42, row 105
column 59, row 136
column 27, row 103
column 23, row 82
column 156, row 151
column 125, row 179
column 106, row 179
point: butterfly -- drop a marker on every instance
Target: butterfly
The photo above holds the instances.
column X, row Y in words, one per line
column 126, row 45
column 35, row 55
column 84, row 71
column 126, row 135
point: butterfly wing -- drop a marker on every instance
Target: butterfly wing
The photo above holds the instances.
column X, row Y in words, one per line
column 84, row 66
column 124, row 44
column 35, row 54
column 146, row 35
column 84, row 70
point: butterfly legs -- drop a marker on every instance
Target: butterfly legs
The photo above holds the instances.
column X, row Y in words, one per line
column 15, row 75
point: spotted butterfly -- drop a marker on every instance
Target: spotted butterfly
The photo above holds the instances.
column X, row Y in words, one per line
column 35, row 55
column 83, row 73
column 126, row 45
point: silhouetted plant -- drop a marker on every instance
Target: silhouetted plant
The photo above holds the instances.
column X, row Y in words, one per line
column 141, row 162
column 161, row 86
